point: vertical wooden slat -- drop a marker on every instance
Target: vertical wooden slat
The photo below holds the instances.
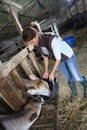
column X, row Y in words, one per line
column 26, row 67
column 16, row 78
column 10, row 95
column 35, row 63
column 39, row 65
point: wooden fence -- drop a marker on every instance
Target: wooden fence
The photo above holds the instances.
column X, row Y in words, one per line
column 11, row 81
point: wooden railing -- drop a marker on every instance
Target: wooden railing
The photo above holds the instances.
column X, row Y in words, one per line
column 11, row 81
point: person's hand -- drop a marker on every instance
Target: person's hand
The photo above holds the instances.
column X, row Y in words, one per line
column 45, row 75
column 51, row 77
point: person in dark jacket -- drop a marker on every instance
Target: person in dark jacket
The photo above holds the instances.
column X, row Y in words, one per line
column 54, row 47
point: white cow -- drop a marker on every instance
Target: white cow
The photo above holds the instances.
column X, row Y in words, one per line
column 37, row 86
column 23, row 119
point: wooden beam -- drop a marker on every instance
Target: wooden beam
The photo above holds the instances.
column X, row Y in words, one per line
column 26, row 67
column 13, row 63
column 12, row 3
column 35, row 63
column 16, row 21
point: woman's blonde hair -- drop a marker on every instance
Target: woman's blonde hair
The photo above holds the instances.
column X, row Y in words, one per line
column 36, row 25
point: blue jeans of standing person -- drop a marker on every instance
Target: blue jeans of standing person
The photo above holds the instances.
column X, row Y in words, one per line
column 70, row 69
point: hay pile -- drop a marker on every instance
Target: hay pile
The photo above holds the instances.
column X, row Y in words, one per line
column 48, row 117
column 73, row 115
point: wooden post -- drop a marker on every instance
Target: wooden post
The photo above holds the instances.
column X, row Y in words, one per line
column 19, row 28
column 16, row 21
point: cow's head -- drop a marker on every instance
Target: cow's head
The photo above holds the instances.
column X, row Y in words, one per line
column 37, row 86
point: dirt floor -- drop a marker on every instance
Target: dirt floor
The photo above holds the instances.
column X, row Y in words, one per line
column 62, row 113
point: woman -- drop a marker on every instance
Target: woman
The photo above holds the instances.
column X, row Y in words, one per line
column 55, row 48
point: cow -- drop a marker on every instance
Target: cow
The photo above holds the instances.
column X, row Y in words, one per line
column 22, row 119
column 37, row 86
column 42, row 87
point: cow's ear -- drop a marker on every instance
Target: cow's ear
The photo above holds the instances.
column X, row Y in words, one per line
column 33, row 77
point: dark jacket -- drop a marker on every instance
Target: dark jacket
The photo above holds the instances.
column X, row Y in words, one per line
column 45, row 41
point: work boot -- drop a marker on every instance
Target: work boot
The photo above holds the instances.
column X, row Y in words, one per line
column 84, row 84
column 73, row 90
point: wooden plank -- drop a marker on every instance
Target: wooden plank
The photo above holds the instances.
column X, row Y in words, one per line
column 13, row 63
column 10, row 95
column 16, row 21
column 26, row 67
column 35, row 63
column 18, row 81
column 39, row 65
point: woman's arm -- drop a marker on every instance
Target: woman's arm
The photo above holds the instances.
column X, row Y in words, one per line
column 45, row 75
column 51, row 77
column 57, row 54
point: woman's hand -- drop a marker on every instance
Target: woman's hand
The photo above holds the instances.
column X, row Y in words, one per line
column 51, row 77
column 45, row 75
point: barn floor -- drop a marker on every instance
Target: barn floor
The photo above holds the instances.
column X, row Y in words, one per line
column 73, row 114
column 62, row 113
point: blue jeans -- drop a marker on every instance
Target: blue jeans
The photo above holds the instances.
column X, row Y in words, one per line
column 70, row 69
